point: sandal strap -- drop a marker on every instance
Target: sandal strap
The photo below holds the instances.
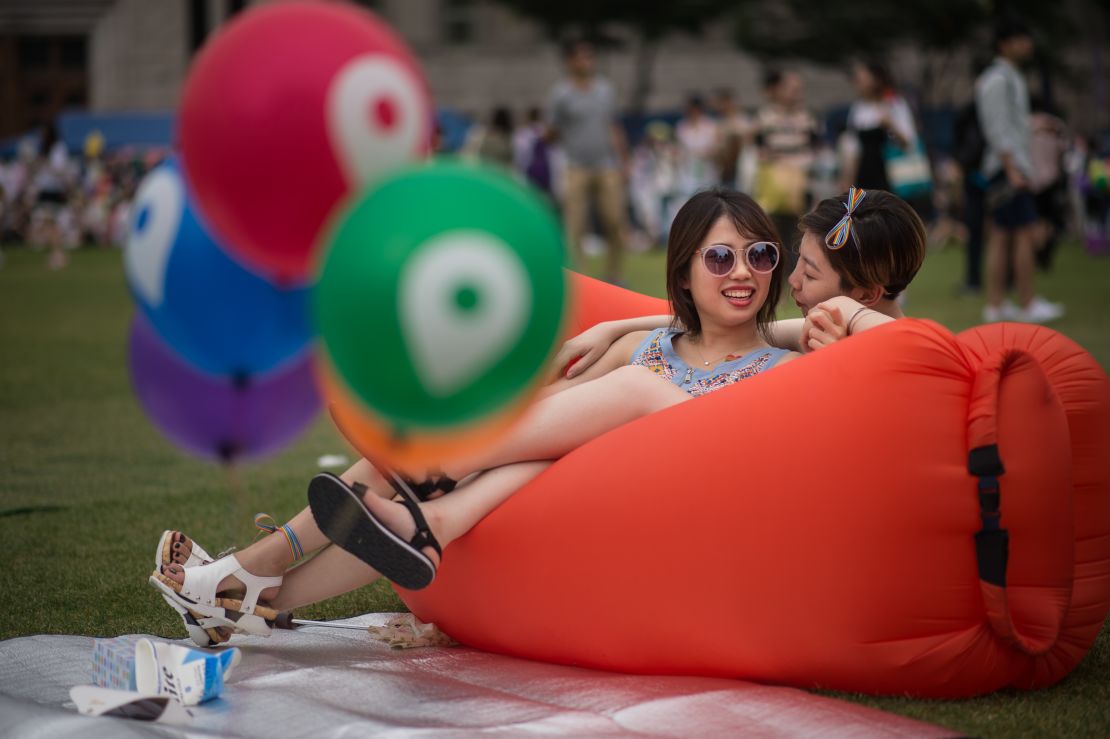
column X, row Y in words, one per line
column 408, row 498
column 425, row 488
column 201, row 582
column 422, row 490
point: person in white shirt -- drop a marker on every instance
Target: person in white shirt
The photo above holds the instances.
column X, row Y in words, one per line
column 1002, row 102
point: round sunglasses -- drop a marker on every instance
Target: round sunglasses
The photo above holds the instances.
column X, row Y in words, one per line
column 761, row 257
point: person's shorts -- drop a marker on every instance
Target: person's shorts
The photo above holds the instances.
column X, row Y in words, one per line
column 1010, row 209
column 51, row 197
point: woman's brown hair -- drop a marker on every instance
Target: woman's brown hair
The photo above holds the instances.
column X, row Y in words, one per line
column 886, row 247
column 689, row 229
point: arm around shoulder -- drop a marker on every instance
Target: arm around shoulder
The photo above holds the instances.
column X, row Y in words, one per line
column 617, row 355
column 786, row 333
column 581, row 351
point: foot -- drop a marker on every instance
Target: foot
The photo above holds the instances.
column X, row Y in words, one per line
column 1039, row 310
column 1004, row 311
column 231, row 586
column 392, row 537
column 398, row 520
column 181, row 547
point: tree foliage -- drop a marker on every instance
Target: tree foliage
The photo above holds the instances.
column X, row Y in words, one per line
column 834, row 32
column 650, row 19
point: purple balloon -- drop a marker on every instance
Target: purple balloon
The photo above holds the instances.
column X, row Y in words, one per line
column 220, row 418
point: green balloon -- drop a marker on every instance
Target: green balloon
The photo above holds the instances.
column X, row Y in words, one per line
column 441, row 295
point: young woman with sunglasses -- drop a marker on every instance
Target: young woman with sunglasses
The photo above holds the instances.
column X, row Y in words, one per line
column 723, row 281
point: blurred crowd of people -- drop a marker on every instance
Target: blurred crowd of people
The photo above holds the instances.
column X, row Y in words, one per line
column 53, row 200
column 1014, row 181
column 778, row 151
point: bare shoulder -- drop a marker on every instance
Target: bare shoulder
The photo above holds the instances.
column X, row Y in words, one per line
column 632, row 338
column 625, row 345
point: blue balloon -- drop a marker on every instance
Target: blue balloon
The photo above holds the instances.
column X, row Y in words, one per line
column 217, row 315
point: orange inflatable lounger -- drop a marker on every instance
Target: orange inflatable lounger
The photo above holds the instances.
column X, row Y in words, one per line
column 907, row 511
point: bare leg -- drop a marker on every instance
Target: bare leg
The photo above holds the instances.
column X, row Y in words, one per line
column 612, row 208
column 334, row 571
column 557, row 425
column 330, row 573
column 575, row 209
column 454, row 515
column 271, row 555
column 997, row 242
column 1025, row 242
column 560, row 423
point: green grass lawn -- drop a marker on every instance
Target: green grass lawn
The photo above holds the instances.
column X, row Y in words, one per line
column 87, row 485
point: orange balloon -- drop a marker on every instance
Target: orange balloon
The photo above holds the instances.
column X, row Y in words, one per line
column 818, row 525
column 411, row 451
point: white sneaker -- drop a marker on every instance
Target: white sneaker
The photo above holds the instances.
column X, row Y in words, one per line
column 1006, row 311
column 992, row 313
column 1040, row 310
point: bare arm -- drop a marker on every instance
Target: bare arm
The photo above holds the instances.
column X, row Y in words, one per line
column 618, row 354
column 588, row 346
column 786, row 334
column 837, row 318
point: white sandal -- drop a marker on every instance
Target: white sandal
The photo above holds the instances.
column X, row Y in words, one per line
column 197, row 595
column 203, row 631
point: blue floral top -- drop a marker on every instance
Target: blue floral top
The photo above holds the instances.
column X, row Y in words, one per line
column 657, row 353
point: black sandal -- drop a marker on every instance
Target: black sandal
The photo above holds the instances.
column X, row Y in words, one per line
column 346, row 521
column 426, row 488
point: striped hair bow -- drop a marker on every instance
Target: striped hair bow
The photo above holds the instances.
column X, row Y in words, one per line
column 838, row 236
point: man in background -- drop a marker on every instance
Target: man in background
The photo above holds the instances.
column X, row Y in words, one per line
column 583, row 115
column 1002, row 102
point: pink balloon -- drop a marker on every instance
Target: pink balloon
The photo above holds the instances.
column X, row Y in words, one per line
column 284, row 112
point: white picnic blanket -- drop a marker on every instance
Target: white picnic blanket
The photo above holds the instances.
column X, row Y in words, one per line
column 319, row 682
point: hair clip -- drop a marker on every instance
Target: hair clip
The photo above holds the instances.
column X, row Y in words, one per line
column 837, row 237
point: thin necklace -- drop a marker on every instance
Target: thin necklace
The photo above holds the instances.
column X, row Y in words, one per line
column 707, row 362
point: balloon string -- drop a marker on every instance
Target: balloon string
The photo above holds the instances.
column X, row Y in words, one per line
column 238, row 503
column 238, row 407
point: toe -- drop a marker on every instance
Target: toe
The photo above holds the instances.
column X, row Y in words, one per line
column 174, row 572
column 179, row 550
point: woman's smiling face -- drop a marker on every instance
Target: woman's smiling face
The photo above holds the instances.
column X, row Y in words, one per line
column 813, row 280
column 733, row 298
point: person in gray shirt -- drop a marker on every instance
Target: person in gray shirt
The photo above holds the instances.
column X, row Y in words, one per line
column 1002, row 103
column 582, row 114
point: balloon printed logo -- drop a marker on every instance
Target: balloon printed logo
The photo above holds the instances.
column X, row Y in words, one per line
column 464, row 299
column 376, row 116
column 285, row 113
column 159, row 205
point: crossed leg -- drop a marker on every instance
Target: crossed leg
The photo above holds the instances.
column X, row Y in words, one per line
column 557, row 424
column 333, row 571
